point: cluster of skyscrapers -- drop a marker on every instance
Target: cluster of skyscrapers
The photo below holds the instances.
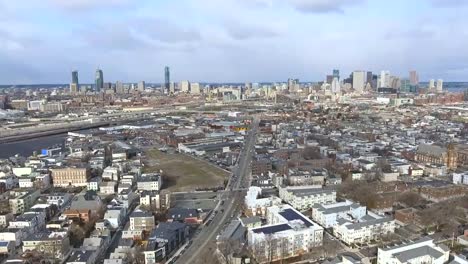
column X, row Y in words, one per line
column 362, row 81
column 119, row 87
column 359, row 81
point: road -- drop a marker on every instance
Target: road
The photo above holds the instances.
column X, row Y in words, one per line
column 233, row 199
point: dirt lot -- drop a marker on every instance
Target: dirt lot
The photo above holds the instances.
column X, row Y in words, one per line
column 184, row 173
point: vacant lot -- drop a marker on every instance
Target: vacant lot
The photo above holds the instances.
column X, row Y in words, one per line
column 184, row 173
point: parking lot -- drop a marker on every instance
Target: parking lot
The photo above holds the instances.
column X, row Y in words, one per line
column 202, row 200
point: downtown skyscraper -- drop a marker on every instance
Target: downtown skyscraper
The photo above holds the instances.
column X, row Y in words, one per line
column 336, row 74
column 74, row 85
column 99, row 81
column 414, row 78
column 167, row 79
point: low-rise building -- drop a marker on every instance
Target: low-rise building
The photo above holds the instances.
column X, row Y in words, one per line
column 149, row 182
column 55, row 244
column 327, row 215
column 93, row 184
column 78, row 214
column 66, row 177
column 287, row 234
column 256, row 205
column 460, row 178
column 22, row 200
column 305, row 197
column 107, row 187
column 364, row 230
column 142, row 221
column 58, row 199
column 163, row 240
column 184, row 215
column 421, row 251
column 5, row 219
column 81, row 256
column 156, row 201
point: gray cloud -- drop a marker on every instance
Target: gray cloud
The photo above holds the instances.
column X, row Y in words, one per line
column 14, row 71
column 323, row 6
column 165, row 31
column 112, row 37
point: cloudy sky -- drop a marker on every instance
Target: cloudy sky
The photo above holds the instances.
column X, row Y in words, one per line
column 41, row 41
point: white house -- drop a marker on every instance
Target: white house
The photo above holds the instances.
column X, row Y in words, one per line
column 111, row 173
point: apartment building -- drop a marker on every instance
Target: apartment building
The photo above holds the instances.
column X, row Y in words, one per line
column 287, row 234
column 22, row 200
column 363, row 230
column 256, row 205
column 149, row 182
column 420, row 251
column 305, row 197
column 142, row 221
column 65, row 177
column 327, row 215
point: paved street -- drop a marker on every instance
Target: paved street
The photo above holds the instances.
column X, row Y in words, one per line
column 232, row 200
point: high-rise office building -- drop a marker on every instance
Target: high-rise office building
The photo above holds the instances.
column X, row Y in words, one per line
column 359, row 81
column 384, row 79
column 369, row 77
column 84, row 88
column 119, row 87
column 74, row 85
column 185, row 86
column 99, row 81
column 431, row 84
column 330, row 79
column 75, row 77
column 336, row 74
column 195, row 88
column 414, row 78
column 107, row 86
column 393, row 82
column 440, row 85
column 293, row 84
column 405, row 86
column 172, row 88
column 141, row 86
column 335, row 85
column 167, row 79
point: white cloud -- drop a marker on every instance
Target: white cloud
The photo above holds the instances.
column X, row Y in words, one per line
column 85, row 5
column 323, row 6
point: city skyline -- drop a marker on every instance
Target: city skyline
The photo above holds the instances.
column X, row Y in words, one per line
column 236, row 41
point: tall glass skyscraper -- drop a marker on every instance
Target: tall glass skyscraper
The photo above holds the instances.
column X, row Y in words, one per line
column 336, row 74
column 167, row 79
column 99, row 80
column 74, row 87
column 75, row 77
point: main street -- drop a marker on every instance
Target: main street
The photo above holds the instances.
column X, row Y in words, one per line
column 227, row 210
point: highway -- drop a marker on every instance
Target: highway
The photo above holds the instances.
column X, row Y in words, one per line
column 227, row 210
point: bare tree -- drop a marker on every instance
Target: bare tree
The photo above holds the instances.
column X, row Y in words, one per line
column 410, row 199
column 311, row 153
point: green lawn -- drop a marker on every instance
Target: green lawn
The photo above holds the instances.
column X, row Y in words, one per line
column 184, row 173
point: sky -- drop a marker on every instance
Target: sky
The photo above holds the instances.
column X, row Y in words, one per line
column 42, row 41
